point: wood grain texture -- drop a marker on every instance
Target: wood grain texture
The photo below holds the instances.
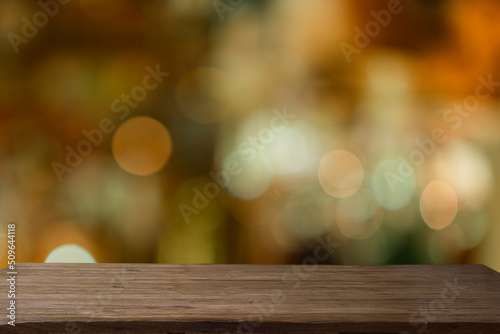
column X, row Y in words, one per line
column 164, row 298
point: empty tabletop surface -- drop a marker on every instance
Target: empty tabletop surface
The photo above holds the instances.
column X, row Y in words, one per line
column 208, row 298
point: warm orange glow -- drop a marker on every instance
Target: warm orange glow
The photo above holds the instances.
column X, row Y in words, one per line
column 438, row 204
column 340, row 173
column 141, row 146
column 66, row 232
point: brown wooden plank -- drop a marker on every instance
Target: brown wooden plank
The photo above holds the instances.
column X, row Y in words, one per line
column 168, row 298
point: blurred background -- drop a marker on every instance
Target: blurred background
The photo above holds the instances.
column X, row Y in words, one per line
column 200, row 131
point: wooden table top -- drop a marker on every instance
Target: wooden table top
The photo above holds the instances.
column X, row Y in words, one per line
column 171, row 298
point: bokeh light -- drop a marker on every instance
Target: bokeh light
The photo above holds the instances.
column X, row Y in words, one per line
column 70, row 253
column 392, row 185
column 340, row 173
column 467, row 169
column 250, row 179
column 286, row 153
column 141, row 146
column 438, row 204
column 67, row 232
